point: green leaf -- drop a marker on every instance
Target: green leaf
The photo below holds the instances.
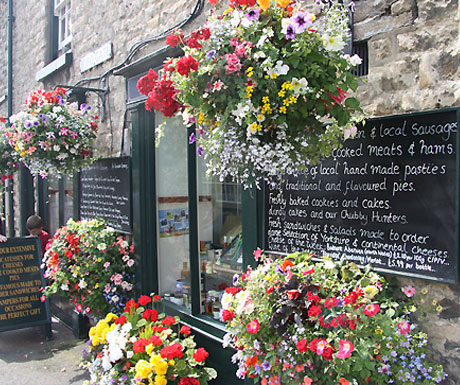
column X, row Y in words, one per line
column 211, row 372
column 370, row 365
column 141, row 322
column 352, row 103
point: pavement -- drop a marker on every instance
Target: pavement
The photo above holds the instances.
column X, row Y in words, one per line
column 28, row 358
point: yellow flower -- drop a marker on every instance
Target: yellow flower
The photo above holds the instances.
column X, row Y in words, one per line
column 283, row 109
column 287, row 86
column 160, row 366
column 250, row 71
column 424, row 291
column 95, row 340
column 434, row 302
column 413, row 308
column 260, row 117
column 282, row 93
column 255, row 127
column 171, row 362
column 96, row 285
column 148, row 349
column 110, row 316
column 378, row 331
column 143, row 369
column 264, row 4
column 265, row 100
column 282, row 3
column 439, row 308
column 160, row 380
column 273, row 76
column 99, row 259
column 101, row 325
column 371, row 291
column 200, row 118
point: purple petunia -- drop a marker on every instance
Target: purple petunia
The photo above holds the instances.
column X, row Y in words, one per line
column 253, row 15
column 192, row 138
column 200, row 151
column 301, row 21
column 290, row 34
column 211, row 54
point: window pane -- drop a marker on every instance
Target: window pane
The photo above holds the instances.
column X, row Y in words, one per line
column 53, row 202
column 68, row 199
column 173, row 219
column 219, row 227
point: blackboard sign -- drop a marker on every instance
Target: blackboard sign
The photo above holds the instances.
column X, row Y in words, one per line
column 389, row 197
column 20, row 283
column 105, row 192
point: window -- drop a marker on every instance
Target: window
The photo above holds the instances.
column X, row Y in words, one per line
column 173, row 214
column 64, row 30
column 360, row 48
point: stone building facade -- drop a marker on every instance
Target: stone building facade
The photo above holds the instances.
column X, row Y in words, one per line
column 414, row 65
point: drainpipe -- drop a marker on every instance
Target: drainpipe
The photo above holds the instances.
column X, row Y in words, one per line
column 9, row 186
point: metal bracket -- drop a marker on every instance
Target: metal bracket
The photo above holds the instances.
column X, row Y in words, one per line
column 79, row 94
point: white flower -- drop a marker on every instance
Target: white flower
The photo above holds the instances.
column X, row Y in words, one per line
column 333, row 43
column 328, row 264
column 62, row 156
column 355, row 60
column 281, row 68
column 227, row 340
column 115, row 298
column 350, row 132
column 82, row 284
column 259, row 55
column 299, row 86
column 56, row 147
column 226, row 300
column 124, row 244
column 101, row 246
column 64, row 287
column 106, row 365
column 284, row 25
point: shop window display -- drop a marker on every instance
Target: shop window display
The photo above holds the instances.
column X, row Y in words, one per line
column 219, row 229
column 172, row 214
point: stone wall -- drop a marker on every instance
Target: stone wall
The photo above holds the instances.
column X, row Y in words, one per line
column 414, row 57
column 3, row 56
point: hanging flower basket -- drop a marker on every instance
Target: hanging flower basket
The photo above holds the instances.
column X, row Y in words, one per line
column 300, row 322
column 51, row 136
column 266, row 84
column 92, row 265
column 8, row 164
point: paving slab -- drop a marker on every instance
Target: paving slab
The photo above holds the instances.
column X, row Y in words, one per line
column 28, row 358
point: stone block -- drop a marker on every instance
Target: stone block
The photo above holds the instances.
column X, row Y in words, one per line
column 428, row 73
column 378, row 25
column 402, row 6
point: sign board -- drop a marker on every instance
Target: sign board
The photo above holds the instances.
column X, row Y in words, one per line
column 20, row 283
column 389, row 197
column 105, row 192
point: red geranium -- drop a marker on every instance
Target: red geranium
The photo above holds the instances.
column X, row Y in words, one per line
column 228, row 315
column 121, row 320
column 168, row 321
column 189, row 381
column 174, row 38
column 131, row 304
column 147, row 82
column 186, row 64
column 150, row 314
column 185, row 330
column 200, row 355
column 144, row 300
column 302, row 345
column 173, row 351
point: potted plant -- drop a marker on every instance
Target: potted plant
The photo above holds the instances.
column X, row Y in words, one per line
column 52, row 136
column 265, row 83
column 142, row 346
column 92, row 265
column 294, row 320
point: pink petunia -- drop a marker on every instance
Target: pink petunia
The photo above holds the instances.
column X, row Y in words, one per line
column 404, row 327
column 371, row 310
column 257, row 254
column 409, row 290
column 253, row 326
column 345, row 349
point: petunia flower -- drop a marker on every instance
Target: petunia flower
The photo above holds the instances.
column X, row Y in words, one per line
column 301, row 20
column 345, row 349
column 253, row 326
column 253, row 15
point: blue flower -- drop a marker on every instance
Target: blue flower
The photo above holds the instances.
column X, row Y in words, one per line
column 211, row 54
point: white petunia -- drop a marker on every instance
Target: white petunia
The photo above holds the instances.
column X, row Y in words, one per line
column 299, row 86
column 333, row 43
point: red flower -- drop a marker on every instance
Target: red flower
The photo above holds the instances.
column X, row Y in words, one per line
column 345, row 349
column 150, row 315
column 328, row 352
column 156, row 297
column 314, row 310
column 331, row 302
column 144, row 300
column 147, row 82
column 371, row 309
column 139, row 345
column 154, row 340
column 131, row 304
column 189, row 381
column 253, row 326
column 231, row 290
column 121, row 320
column 163, row 97
column 326, row 325
column 200, row 355
column 168, row 321
column 173, row 351
column 185, row 330
column 174, row 38
column 228, row 315
column 186, row 64
column 302, row 345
